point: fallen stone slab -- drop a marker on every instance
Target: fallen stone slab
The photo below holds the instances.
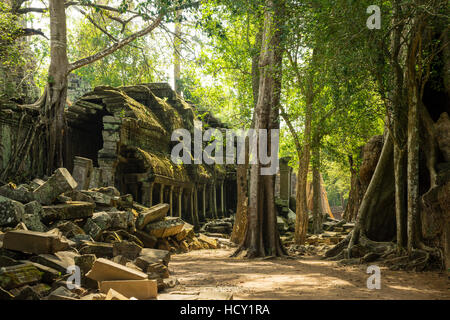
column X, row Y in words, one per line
column 70, row 210
column 59, row 261
column 100, row 249
column 102, row 219
column 114, row 295
column 62, row 293
column 61, row 181
column 11, row 212
column 34, row 208
column 20, row 193
column 163, row 229
column 102, row 199
column 152, row 265
column 119, row 219
column 212, row 243
column 157, row 269
column 121, row 260
column 186, row 231
column 19, row 275
column 170, row 282
column 153, row 214
column 127, row 249
column 35, row 292
column 156, row 255
column 68, row 228
column 140, row 289
column 26, row 293
column 49, row 275
column 92, row 229
column 33, row 242
column 82, row 172
column 85, row 263
column 147, row 240
column 94, row 296
column 33, row 223
column 80, row 239
column 76, row 195
column 8, row 262
column 36, row 183
column 105, row 270
column 126, row 201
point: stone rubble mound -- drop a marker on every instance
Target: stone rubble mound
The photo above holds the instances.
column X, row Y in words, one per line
column 334, row 231
column 52, row 233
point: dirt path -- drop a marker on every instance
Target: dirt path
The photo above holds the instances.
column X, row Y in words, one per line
column 302, row 278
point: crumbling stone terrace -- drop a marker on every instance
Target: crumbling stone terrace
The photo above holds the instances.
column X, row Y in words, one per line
column 121, row 137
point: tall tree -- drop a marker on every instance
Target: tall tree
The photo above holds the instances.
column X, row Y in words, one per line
column 52, row 102
column 262, row 238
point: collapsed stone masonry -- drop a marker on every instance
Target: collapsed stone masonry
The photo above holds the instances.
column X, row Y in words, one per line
column 126, row 132
column 121, row 137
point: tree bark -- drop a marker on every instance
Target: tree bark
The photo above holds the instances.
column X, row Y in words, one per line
column 57, row 85
column 240, row 223
column 301, row 207
column 262, row 238
column 317, row 212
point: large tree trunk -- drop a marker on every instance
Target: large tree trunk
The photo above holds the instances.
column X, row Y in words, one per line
column 240, row 223
column 414, row 168
column 355, row 194
column 399, row 123
column 317, row 208
column 301, row 207
column 57, row 85
column 262, row 238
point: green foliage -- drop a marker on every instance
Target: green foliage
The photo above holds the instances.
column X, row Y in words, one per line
column 135, row 63
column 219, row 77
column 16, row 61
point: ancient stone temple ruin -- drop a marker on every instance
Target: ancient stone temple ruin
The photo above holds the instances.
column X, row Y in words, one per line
column 122, row 137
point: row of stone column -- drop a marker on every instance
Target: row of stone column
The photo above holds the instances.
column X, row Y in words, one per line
column 208, row 197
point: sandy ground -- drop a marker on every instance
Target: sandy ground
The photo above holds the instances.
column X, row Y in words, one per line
column 299, row 278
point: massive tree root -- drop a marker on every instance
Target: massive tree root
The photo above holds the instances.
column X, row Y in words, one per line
column 374, row 235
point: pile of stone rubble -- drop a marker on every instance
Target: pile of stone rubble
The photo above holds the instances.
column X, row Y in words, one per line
column 61, row 243
column 334, row 231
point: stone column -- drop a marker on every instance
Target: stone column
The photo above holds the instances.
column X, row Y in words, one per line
column 195, row 206
column 134, row 190
column 82, row 172
column 107, row 156
column 204, row 201
column 225, row 199
column 147, row 191
column 171, row 201
column 108, row 168
column 215, row 201
column 180, row 200
column 96, row 178
column 150, row 196
column 222, row 200
column 285, row 181
column 161, row 194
